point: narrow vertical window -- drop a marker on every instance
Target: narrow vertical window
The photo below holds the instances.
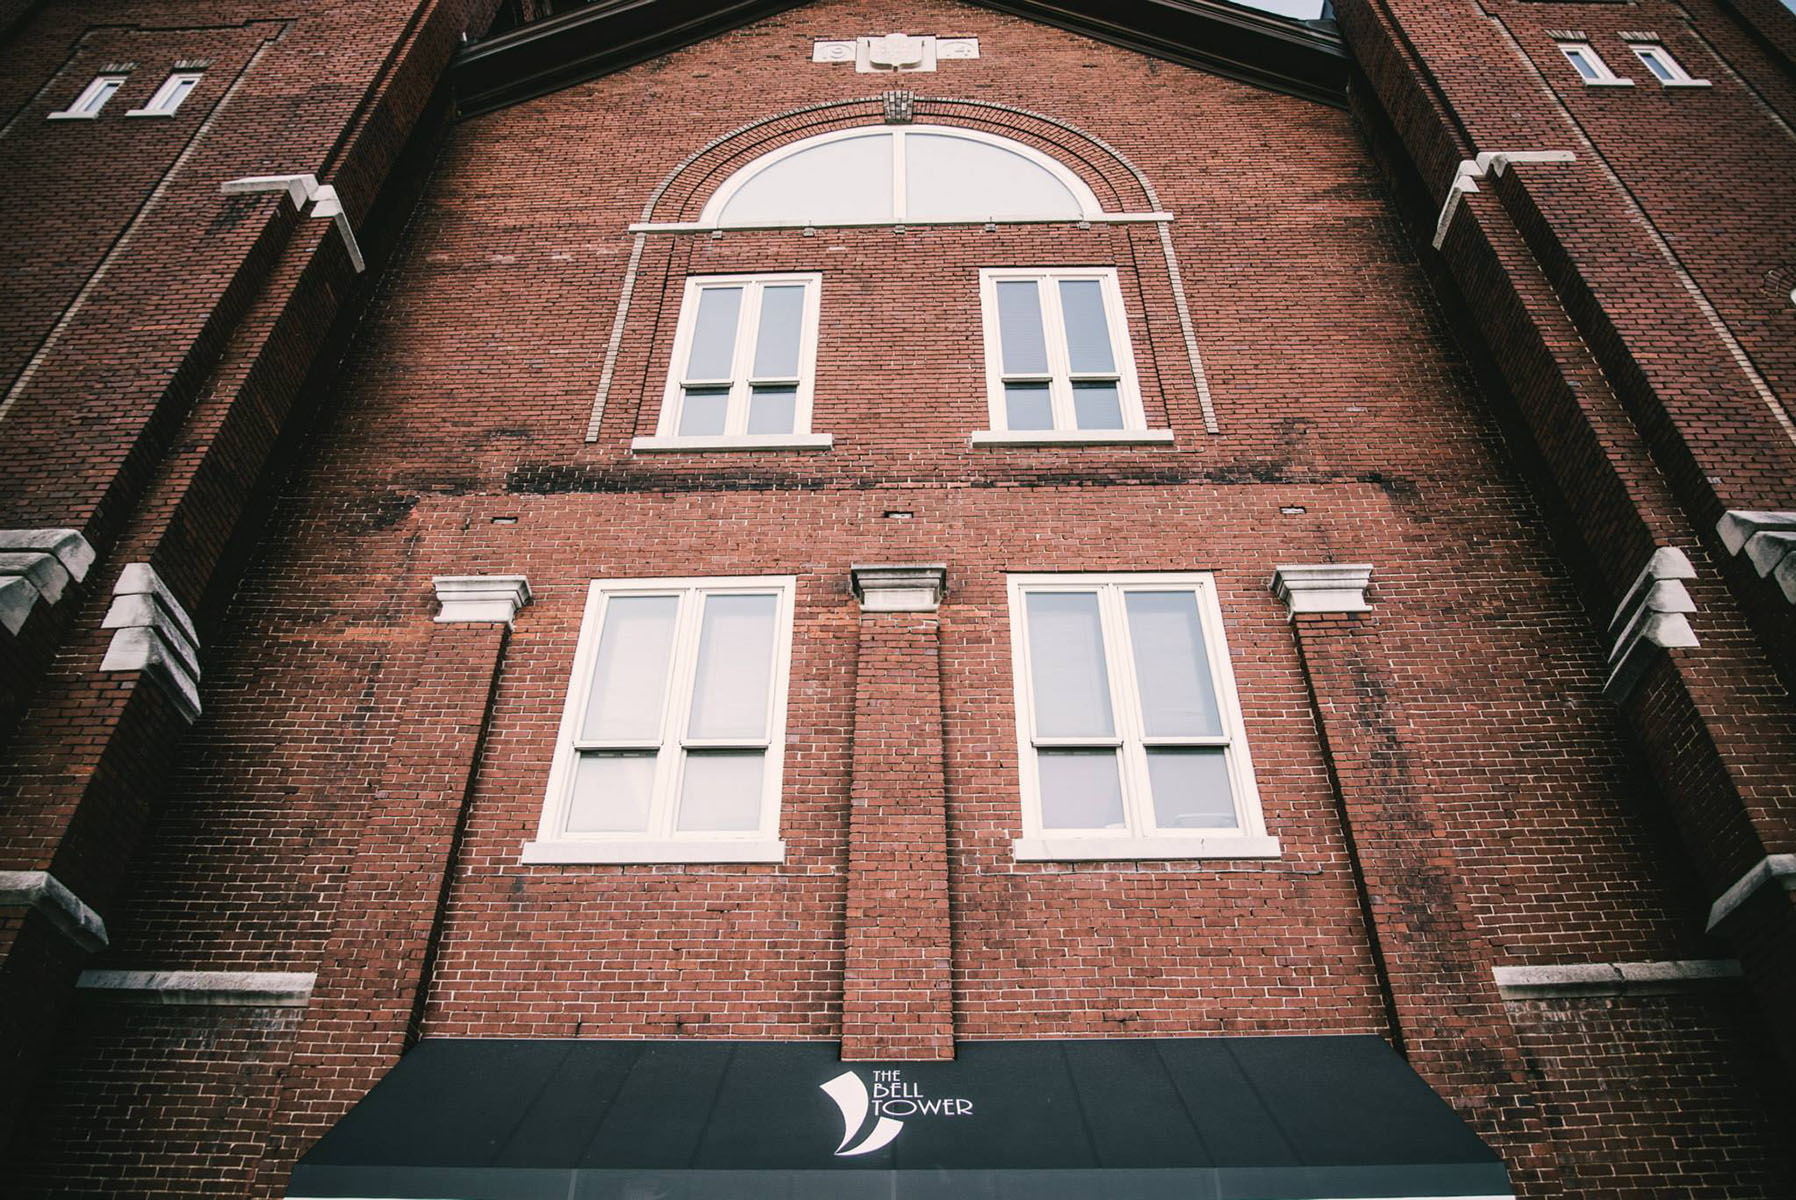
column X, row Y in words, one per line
column 743, row 364
column 1058, row 362
column 1129, row 733
column 92, row 99
column 671, row 742
column 1590, row 65
column 168, row 98
column 1666, row 69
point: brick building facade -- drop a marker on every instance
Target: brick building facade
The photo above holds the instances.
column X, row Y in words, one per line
column 1403, row 399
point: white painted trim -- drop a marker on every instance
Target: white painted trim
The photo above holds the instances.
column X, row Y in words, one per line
column 61, row 907
column 1071, row 437
column 741, row 381
column 158, row 105
column 1059, row 374
column 730, row 442
column 1097, row 218
column 1779, row 869
column 667, row 851
column 94, row 86
column 1322, row 587
column 660, row 842
column 882, row 588
column 269, row 989
column 480, row 598
column 1612, row 978
column 1090, row 209
column 1126, row 849
column 1249, row 840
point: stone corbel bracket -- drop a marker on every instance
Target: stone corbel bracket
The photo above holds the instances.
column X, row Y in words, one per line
column 1322, row 587
column 302, row 190
column 1769, row 540
column 154, row 634
column 480, row 598
column 892, row 588
column 38, row 564
column 1490, row 164
column 1651, row 614
column 62, row 908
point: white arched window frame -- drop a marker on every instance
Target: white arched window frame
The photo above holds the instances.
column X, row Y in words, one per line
column 1084, row 205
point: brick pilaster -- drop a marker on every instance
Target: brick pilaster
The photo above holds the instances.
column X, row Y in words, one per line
column 1434, row 965
column 897, row 996
column 373, row 977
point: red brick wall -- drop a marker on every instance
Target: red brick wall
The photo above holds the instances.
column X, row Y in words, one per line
column 1339, row 392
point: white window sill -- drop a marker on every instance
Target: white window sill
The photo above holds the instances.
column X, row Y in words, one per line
column 1685, row 83
column 1608, row 83
column 70, row 116
column 740, row 441
column 1099, row 849
column 1070, row 437
column 148, row 112
column 770, row 850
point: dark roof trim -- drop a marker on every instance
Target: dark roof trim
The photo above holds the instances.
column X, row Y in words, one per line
column 1299, row 58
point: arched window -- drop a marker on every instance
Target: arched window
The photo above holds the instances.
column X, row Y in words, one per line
column 918, row 174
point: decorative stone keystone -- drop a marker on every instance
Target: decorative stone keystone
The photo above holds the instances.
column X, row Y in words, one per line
column 476, row 598
column 1323, row 587
column 1651, row 614
column 900, row 588
column 38, row 564
column 154, row 635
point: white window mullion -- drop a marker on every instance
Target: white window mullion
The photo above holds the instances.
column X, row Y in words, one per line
column 1125, row 694
column 742, row 363
column 1060, row 388
column 673, row 749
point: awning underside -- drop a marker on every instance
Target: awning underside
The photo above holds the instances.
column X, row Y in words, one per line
column 1128, row 1119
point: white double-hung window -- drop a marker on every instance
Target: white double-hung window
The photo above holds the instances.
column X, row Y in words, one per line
column 1130, row 737
column 1058, row 365
column 744, row 364
column 671, row 743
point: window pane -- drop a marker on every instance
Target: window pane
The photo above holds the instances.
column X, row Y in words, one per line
column 735, row 666
column 1087, row 330
column 721, row 792
column 97, row 99
column 1177, row 699
column 1066, row 665
column 1584, row 66
column 629, row 681
column 1657, row 66
column 1026, row 406
column 703, row 412
column 776, row 345
column 772, row 409
column 1191, row 789
column 611, row 793
column 1097, row 406
column 714, row 333
column 1080, row 789
column 954, row 178
column 176, row 94
column 1025, row 351
column 846, row 180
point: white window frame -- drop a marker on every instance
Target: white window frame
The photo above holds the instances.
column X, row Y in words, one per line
column 93, row 98
column 1573, row 50
column 662, row 842
column 169, row 97
column 1090, row 209
column 1142, row 840
column 1655, row 52
column 741, row 381
column 1059, row 376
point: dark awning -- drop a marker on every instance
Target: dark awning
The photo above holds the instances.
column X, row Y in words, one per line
column 1121, row 1119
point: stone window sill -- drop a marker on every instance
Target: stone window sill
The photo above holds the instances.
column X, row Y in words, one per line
column 1071, row 437
column 744, row 441
column 766, row 850
column 1074, row 849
